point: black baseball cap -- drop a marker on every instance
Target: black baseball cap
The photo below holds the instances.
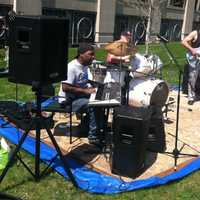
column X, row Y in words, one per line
column 84, row 47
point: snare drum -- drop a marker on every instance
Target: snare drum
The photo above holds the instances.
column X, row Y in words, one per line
column 147, row 92
column 114, row 75
column 104, row 74
column 98, row 73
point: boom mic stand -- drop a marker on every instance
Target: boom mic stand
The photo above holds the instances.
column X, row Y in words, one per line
column 176, row 152
column 37, row 120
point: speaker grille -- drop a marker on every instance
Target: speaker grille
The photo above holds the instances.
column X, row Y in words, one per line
column 129, row 140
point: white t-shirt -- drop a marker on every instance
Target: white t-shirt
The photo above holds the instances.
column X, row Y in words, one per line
column 77, row 75
column 140, row 62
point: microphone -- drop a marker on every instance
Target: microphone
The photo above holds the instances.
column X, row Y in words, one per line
column 162, row 38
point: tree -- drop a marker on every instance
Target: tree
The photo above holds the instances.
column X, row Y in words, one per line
column 151, row 12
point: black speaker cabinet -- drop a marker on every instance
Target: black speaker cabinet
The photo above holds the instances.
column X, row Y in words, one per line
column 156, row 141
column 130, row 128
column 38, row 49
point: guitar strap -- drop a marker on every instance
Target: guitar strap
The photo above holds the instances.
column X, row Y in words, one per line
column 196, row 44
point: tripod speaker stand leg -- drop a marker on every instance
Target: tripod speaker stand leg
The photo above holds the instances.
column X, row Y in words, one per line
column 65, row 164
column 14, row 154
column 37, row 121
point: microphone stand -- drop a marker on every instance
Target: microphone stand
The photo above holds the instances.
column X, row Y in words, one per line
column 176, row 152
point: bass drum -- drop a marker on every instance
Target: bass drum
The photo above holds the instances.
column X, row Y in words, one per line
column 148, row 92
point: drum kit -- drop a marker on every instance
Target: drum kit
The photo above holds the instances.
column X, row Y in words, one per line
column 144, row 88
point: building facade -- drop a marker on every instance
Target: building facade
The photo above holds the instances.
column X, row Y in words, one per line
column 103, row 20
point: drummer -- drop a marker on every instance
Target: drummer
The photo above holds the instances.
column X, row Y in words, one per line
column 117, row 55
column 114, row 59
column 138, row 62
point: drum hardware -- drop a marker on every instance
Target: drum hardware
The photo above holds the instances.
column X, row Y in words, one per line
column 138, row 74
column 176, row 152
column 98, row 71
column 148, row 64
column 167, row 107
column 145, row 89
column 110, row 73
column 119, row 48
column 121, row 74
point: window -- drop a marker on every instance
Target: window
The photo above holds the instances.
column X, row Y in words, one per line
column 177, row 3
column 197, row 5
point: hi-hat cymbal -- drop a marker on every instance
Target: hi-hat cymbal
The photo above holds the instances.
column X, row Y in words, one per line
column 118, row 48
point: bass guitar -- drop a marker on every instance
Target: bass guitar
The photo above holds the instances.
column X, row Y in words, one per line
column 193, row 61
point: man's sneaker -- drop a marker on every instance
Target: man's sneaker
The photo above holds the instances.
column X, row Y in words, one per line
column 197, row 97
column 95, row 141
column 190, row 102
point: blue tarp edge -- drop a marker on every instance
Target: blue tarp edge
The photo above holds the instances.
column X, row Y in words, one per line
column 87, row 179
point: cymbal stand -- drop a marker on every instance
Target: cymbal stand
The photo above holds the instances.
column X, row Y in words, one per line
column 120, row 71
column 127, row 82
column 37, row 120
column 125, row 90
column 176, row 152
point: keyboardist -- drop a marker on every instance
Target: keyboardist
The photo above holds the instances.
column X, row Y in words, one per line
column 78, row 90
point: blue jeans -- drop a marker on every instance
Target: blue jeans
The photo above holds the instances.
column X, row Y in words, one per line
column 81, row 104
column 193, row 75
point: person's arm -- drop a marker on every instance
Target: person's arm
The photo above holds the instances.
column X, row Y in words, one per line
column 186, row 42
column 113, row 59
column 74, row 89
column 69, row 86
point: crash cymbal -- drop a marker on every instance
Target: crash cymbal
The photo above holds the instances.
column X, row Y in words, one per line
column 118, row 48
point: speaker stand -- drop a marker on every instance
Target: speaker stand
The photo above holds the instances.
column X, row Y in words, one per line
column 37, row 120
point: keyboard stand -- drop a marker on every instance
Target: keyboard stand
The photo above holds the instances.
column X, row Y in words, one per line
column 105, row 134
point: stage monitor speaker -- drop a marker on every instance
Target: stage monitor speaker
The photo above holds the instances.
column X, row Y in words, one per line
column 130, row 128
column 38, row 49
column 156, row 141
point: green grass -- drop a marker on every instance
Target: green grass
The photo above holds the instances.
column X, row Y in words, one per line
column 169, row 70
column 20, row 183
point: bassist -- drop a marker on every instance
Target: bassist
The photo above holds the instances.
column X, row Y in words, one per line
column 192, row 44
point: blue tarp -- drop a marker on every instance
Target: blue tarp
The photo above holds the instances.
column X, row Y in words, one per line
column 87, row 179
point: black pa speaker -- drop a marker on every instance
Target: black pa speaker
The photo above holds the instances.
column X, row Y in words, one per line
column 156, row 141
column 130, row 127
column 38, row 49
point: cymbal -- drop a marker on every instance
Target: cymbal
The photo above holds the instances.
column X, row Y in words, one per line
column 118, row 48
